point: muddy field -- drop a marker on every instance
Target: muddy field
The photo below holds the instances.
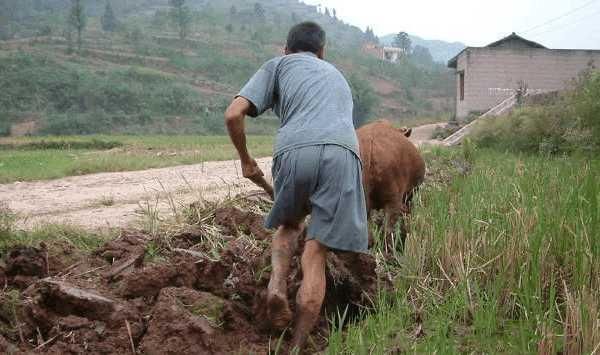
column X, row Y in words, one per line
column 197, row 291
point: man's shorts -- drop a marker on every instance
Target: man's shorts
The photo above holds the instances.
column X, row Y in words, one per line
column 324, row 181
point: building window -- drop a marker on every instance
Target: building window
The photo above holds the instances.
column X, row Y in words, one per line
column 461, row 84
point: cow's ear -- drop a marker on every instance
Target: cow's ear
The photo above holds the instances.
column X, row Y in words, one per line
column 407, row 132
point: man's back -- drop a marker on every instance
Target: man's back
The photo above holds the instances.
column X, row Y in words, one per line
column 311, row 98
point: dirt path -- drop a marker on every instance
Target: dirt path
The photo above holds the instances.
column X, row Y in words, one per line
column 422, row 135
column 121, row 199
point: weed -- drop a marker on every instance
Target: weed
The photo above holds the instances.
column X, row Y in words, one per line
column 107, row 201
column 10, row 301
column 7, row 219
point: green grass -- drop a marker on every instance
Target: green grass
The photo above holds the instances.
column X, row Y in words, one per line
column 505, row 259
column 137, row 153
column 55, row 236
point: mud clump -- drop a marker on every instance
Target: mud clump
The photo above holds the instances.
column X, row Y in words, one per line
column 126, row 246
column 189, row 237
column 351, row 282
column 234, row 220
column 25, row 265
column 149, row 281
column 80, row 320
column 3, row 279
column 187, row 321
column 6, row 347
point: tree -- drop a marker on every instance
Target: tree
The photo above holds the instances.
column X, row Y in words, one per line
column 422, row 55
column 182, row 17
column 334, row 12
column 327, row 13
column 370, row 36
column 109, row 21
column 5, row 28
column 403, row 42
column 364, row 99
column 229, row 28
column 259, row 10
column 38, row 5
column 77, row 20
column 233, row 10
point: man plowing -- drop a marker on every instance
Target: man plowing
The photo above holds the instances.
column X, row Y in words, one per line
column 316, row 170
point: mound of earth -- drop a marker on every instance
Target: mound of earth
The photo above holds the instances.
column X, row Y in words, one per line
column 201, row 296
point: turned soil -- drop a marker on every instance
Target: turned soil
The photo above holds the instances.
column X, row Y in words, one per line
column 193, row 298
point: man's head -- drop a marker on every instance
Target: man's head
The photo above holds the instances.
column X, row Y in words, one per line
column 306, row 37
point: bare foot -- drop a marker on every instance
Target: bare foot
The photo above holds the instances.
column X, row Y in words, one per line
column 278, row 310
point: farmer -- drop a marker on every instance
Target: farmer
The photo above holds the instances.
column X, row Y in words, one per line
column 316, row 170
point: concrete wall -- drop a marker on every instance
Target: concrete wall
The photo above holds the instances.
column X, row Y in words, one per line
column 492, row 74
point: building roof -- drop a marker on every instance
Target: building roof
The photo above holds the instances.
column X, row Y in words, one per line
column 513, row 37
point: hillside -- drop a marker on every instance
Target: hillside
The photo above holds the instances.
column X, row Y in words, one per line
column 142, row 78
column 441, row 51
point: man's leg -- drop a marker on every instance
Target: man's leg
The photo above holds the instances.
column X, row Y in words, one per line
column 283, row 249
column 311, row 294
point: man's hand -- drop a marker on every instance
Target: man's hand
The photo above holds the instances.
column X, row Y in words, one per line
column 250, row 170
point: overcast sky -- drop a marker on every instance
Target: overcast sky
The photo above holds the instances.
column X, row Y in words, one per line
column 554, row 23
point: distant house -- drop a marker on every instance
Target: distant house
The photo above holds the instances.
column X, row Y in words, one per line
column 488, row 76
column 393, row 54
column 390, row 54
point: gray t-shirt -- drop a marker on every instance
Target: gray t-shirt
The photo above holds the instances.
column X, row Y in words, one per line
column 311, row 98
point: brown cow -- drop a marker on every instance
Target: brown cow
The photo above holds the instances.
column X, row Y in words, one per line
column 392, row 169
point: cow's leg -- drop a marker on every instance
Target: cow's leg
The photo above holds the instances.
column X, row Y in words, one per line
column 311, row 294
column 369, row 229
column 393, row 214
column 283, row 249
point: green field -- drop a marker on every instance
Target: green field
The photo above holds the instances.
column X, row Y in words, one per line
column 504, row 259
column 26, row 159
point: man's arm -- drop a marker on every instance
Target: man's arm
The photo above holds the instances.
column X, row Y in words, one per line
column 234, row 120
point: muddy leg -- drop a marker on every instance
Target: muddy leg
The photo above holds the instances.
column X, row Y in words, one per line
column 311, row 293
column 284, row 245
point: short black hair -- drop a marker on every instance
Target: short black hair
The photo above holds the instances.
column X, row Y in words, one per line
column 306, row 37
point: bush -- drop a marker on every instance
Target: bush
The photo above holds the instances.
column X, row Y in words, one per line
column 586, row 99
column 364, row 99
column 444, row 132
column 4, row 128
column 570, row 123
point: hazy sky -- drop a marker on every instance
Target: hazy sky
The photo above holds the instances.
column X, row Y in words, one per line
column 478, row 22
